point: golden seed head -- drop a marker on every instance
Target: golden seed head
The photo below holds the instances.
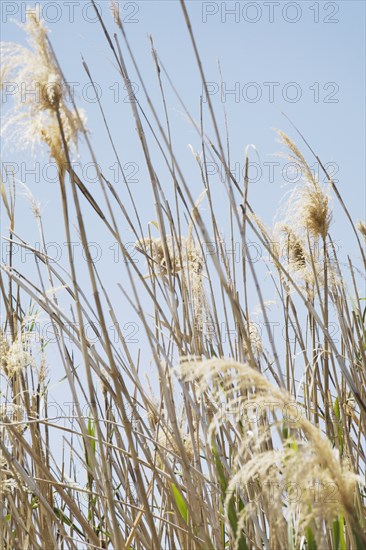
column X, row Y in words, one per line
column 115, row 12
column 255, row 341
column 361, row 226
column 40, row 96
column 315, row 211
column 296, row 249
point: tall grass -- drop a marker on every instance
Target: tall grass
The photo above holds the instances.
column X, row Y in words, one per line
column 238, row 440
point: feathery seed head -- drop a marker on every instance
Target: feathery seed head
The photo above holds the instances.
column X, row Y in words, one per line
column 297, row 156
column 316, row 214
column 4, row 348
column 308, row 204
column 254, row 340
column 246, row 389
column 116, row 13
column 14, row 357
column 168, row 442
column 6, row 477
column 40, row 94
column 153, row 248
column 361, row 226
column 295, row 248
column 17, row 354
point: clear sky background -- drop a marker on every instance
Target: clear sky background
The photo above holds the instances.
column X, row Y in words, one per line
column 305, row 59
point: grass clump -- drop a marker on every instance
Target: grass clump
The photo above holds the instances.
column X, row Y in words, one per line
column 215, row 433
